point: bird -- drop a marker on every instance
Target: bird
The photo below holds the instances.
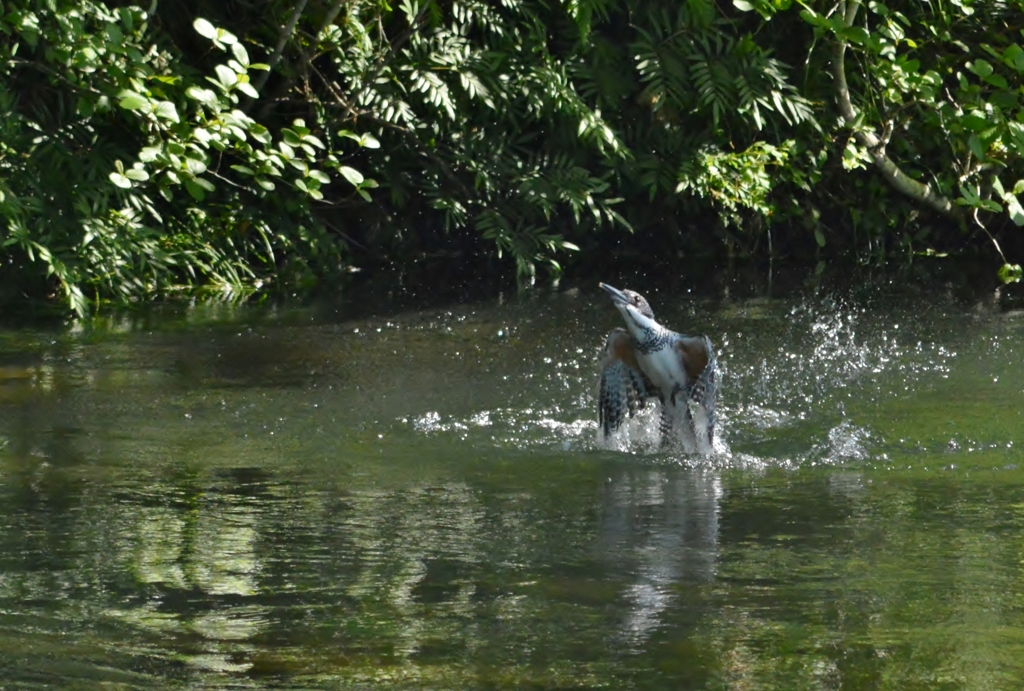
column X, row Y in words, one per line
column 645, row 361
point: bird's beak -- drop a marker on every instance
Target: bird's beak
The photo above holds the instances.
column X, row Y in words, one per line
column 616, row 294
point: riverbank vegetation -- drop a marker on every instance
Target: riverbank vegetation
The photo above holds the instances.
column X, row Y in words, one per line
column 277, row 144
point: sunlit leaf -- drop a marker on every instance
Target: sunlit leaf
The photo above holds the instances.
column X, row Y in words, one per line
column 132, row 101
column 351, row 174
column 166, row 111
column 205, row 28
column 120, row 180
column 226, row 76
column 1014, row 209
column 238, row 50
column 247, row 89
column 1010, row 273
column 982, row 68
column 205, row 96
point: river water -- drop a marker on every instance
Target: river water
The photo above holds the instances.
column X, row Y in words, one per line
column 326, row 496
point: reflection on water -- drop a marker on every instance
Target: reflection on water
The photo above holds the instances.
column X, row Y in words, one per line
column 289, row 500
column 668, row 525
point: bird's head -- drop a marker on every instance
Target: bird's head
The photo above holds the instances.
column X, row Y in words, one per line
column 634, row 309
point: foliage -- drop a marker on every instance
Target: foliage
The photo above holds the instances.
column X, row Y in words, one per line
column 120, row 230
column 141, row 152
column 938, row 81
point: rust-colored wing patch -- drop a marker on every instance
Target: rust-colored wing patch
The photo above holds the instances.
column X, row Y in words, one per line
column 624, row 388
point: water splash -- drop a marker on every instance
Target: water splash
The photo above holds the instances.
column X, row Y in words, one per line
column 797, row 379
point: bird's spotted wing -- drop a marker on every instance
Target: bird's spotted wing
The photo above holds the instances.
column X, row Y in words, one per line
column 624, row 388
column 701, row 366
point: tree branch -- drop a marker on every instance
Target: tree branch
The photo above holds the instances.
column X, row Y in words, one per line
column 282, row 41
column 867, row 137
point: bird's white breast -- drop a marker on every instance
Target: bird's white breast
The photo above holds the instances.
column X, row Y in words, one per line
column 664, row 369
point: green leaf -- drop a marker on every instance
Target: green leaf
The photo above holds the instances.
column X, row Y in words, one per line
column 225, row 37
column 247, row 89
column 137, row 174
column 120, row 180
column 197, row 192
column 320, row 175
column 166, row 111
column 856, row 34
column 976, row 148
column 1013, row 56
column 1010, row 273
column 819, row 237
column 982, row 68
column 975, row 122
column 970, row 195
column 132, row 101
column 195, row 166
column 226, row 76
column 1014, row 209
column 996, row 80
column 238, row 50
column 260, row 133
column 205, row 28
column 351, row 174
column 205, row 96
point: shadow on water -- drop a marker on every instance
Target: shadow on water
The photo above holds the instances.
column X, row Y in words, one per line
column 327, row 496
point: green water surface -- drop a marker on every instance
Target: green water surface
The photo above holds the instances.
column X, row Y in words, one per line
column 294, row 498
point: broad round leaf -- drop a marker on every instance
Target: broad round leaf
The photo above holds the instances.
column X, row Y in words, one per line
column 132, row 101
column 247, row 89
column 351, row 174
column 206, row 96
column 226, row 76
column 121, row 181
column 238, row 50
column 197, row 192
column 205, row 28
column 166, row 111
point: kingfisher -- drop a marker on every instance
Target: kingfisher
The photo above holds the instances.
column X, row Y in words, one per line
column 644, row 361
